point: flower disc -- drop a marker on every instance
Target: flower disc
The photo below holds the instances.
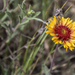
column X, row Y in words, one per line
column 63, row 32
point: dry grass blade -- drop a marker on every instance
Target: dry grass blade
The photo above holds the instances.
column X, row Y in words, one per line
column 68, row 8
column 64, row 4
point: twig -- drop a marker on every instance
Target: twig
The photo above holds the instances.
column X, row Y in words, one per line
column 19, row 23
column 17, row 51
column 10, row 51
column 16, row 27
column 26, row 36
column 16, row 59
column 53, row 58
column 5, row 6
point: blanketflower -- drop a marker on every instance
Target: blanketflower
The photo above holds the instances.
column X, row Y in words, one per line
column 62, row 31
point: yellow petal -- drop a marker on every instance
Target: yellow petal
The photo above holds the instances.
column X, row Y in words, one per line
column 52, row 34
column 54, row 20
column 54, row 38
column 48, row 32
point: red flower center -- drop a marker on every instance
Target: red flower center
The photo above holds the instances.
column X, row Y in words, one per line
column 62, row 32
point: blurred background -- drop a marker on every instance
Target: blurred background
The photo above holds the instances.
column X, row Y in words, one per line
column 25, row 49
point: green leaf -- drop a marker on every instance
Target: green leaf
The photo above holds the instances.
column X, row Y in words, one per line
column 34, row 51
column 45, row 69
column 9, row 15
column 29, row 7
column 36, row 14
column 20, row 18
column 36, row 19
column 10, row 37
column 4, row 26
column 23, row 11
column 1, row 14
column 31, row 18
column 6, row 23
column 24, row 22
column 23, row 6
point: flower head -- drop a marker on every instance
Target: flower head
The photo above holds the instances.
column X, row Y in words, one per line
column 63, row 31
